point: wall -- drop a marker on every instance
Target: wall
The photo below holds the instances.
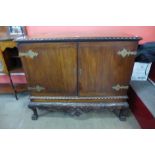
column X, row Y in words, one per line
column 147, row 32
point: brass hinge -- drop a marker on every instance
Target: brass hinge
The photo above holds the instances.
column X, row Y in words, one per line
column 119, row 87
column 29, row 54
column 126, row 52
column 36, row 88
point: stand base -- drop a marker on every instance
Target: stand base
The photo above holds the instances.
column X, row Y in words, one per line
column 76, row 109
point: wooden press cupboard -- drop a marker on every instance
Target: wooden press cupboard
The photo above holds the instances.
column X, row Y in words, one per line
column 78, row 74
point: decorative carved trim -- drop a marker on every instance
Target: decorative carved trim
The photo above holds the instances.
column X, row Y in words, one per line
column 76, row 97
column 26, row 39
column 36, row 88
column 118, row 87
column 126, row 52
column 75, row 109
column 7, row 44
column 29, row 54
column 77, row 104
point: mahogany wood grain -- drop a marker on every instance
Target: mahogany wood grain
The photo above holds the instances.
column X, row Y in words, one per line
column 55, row 67
column 101, row 68
column 78, row 66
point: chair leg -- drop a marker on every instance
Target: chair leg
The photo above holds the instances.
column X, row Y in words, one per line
column 15, row 93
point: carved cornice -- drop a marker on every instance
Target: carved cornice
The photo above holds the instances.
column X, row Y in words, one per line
column 26, row 39
column 76, row 105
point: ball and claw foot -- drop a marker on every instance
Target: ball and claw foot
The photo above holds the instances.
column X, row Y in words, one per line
column 34, row 117
column 122, row 118
column 35, row 114
column 75, row 112
column 122, row 114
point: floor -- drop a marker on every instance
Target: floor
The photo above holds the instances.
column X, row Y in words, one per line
column 146, row 92
column 15, row 115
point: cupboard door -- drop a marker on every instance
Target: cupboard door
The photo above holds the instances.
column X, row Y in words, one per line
column 103, row 70
column 51, row 68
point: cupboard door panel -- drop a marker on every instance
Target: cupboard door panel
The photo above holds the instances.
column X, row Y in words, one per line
column 51, row 68
column 102, row 71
